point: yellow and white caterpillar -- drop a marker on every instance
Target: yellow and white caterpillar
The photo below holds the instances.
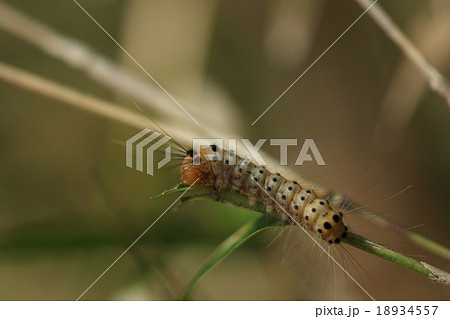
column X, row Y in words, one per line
column 288, row 198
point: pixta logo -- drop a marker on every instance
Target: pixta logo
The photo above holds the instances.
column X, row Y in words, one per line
column 145, row 143
column 140, row 146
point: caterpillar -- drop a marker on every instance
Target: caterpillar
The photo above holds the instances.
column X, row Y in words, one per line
column 288, row 198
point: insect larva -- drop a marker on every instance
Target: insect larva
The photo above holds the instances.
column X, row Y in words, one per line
column 286, row 197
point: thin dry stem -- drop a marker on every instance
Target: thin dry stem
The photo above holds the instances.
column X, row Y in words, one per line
column 101, row 69
column 435, row 80
column 36, row 84
column 79, row 56
column 78, row 100
column 430, row 31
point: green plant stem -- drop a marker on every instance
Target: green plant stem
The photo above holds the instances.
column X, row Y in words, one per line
column 415, row 238
column 236, row 199
column 227, row 247
column 388, row 254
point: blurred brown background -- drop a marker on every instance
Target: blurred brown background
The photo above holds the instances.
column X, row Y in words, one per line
column 69, row 206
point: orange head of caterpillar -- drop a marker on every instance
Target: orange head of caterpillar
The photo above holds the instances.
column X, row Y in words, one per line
column 196, row 168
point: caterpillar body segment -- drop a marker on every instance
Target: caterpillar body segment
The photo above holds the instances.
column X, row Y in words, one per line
column 288, row 198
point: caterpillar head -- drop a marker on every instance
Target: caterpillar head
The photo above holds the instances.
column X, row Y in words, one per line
column 195, row 167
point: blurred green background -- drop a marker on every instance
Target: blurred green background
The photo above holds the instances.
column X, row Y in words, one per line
column 69, row 206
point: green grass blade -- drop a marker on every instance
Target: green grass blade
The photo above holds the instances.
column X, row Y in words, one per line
column 225, row 248
column 177, row 188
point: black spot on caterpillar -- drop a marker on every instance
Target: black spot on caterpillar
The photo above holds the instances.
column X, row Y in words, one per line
column 288, row 198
